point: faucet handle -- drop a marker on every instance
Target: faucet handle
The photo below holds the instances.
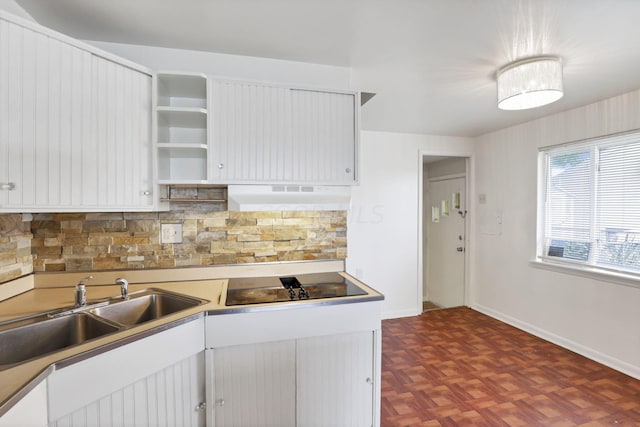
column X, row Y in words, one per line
column 84, row 279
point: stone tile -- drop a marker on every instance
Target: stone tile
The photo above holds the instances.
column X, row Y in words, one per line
column 241, row 222
column 209, row 236
column 79, row 264
column 290, row 255
column 144, row 216
column 248, row 237
column 62, row 217
column 104, row 216
column 9, row 273
column 54, row 267
column 105, row 226
column 255, row 215
column 143, row 225
column 130, row 240
column 289, row 233
column 224, row 259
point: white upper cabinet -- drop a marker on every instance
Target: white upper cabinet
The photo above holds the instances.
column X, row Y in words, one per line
column 250, row 132
column 74, row 126
column 261, row 133
column 324, row 137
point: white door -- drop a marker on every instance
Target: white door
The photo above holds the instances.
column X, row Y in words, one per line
column 445, row 242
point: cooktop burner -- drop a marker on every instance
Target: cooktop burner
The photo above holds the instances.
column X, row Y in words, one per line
column 263, row 290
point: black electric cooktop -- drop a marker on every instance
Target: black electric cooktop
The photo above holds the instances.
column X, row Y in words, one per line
column 300, row 287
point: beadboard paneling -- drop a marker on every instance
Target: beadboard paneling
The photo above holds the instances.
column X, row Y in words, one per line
column 166, row 398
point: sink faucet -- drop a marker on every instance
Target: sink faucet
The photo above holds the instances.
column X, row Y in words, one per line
column 81, row 292
column 124, row 287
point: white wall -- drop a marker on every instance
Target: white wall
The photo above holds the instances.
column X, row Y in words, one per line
column 596, row 318
column 383, row 233
column 232, row 66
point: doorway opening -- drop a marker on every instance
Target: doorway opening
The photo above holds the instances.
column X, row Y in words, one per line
column 444, row 231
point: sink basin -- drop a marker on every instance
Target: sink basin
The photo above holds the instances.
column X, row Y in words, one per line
column 40, row 334
column 33, row 340
column 145, row 306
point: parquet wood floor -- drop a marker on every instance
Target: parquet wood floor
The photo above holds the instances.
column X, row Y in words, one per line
column 458, row 367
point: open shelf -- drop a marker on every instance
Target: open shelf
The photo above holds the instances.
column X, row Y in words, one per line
column 182, row 90
column 181, row 128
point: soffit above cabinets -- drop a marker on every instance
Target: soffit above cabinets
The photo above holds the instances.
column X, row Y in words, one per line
column 431, row 63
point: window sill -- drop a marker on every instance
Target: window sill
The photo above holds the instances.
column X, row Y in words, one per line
column 588, row 272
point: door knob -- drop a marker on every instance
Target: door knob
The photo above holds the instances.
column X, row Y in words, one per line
column 460, row 249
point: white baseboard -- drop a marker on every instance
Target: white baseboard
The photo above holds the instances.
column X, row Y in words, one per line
column 400, row 313
column 611, row 362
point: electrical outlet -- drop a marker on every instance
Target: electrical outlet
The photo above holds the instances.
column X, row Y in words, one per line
column 171, row 233
column 482, row 198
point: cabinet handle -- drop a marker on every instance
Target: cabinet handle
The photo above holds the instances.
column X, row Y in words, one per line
column 8, row 186
column 146, row 193
column 348, row 170
column 220, row 165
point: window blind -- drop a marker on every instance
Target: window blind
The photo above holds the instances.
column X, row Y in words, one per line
column 592, row 202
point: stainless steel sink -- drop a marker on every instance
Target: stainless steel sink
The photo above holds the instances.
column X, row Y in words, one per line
column 145, row 306
column 40, row 334
column 37, row 339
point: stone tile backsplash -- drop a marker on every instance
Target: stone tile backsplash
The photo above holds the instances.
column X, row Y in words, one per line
column 15, row 247
column 109, row 241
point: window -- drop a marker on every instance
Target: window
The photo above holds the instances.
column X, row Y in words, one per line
column 591, row 212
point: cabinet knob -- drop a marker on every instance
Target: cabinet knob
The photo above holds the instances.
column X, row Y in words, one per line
column 8, row 186
column 220, row 165
column 369, row 381
column 201, row 406
column 146, row 193
column 348, row 170
column 220, row 402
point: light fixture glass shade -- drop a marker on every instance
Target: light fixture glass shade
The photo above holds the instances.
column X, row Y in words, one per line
column 530, row 83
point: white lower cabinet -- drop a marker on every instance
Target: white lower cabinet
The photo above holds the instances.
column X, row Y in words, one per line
column 252, row 385
column 334, row 380
column 155, row 381
column 316, row 381
column 31, row 410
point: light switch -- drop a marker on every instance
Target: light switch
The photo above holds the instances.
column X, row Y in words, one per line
column 170, row 233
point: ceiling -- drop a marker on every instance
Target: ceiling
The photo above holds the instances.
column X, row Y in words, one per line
column 431, row 63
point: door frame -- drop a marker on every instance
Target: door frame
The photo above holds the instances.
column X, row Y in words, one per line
column 468, row 224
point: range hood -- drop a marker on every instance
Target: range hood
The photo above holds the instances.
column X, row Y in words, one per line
column 288, row 198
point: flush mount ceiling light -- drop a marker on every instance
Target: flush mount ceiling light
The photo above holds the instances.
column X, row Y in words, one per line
column 529, row 83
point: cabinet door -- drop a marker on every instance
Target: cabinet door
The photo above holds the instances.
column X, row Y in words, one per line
column 252, row 385
column 336, row 372
column 31, row 410
column 169, row 397
column 250, row 128
column 74, row 128
column 82, row 385
column 117, row 157
column 44, row 116
column 324, row 137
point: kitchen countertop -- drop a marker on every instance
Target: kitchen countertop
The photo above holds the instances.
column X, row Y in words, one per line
column 15, row 382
